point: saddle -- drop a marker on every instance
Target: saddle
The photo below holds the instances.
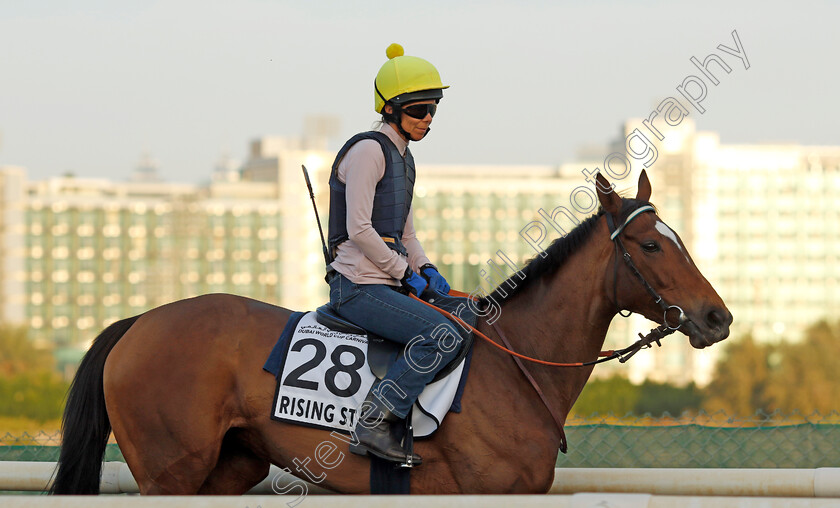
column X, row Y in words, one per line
column 382, row 353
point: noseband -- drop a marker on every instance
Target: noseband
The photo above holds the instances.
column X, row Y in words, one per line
column 621, row 251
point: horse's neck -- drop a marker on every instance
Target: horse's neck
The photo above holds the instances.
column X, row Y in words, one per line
column 564, row 318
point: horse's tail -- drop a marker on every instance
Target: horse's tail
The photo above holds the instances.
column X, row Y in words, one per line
column 85, row 426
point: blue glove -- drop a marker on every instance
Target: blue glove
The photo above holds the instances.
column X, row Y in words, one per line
column 413, row 282
column 435, row 279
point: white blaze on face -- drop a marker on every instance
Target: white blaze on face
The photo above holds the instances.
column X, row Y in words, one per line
column 668, row 233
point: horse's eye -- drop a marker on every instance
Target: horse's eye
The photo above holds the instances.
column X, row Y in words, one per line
column 651, row 246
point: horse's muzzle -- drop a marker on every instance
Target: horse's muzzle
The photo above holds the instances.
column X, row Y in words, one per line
column 710, row 327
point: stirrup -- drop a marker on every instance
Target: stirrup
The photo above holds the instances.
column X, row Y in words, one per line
column 408, row 463
column 408, row 443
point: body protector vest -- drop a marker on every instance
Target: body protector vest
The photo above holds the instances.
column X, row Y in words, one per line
column 391, row 201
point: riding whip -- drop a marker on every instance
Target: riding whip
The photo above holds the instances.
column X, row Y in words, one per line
column 327, row 259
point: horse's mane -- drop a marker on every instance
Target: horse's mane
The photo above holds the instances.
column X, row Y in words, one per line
column 556, row 254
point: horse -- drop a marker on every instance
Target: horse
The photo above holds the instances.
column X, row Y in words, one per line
column 182, row 385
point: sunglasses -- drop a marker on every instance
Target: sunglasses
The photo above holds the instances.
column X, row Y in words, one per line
column 419, row 111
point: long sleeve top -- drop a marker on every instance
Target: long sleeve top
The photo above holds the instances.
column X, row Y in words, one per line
column 365, row 258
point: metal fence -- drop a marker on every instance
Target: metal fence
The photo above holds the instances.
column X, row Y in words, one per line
column 41, row 447
column 765, row 440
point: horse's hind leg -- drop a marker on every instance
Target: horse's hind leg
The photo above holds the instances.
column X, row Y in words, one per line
column 237, row 470
column 192, row 463
column 168, row 451
column 165, row 466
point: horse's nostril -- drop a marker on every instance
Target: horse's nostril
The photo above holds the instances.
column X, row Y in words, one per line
column 716, row 318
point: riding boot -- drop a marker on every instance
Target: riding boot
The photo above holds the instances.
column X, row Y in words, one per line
column 380, row 439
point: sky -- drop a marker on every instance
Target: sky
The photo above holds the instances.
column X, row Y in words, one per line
column 89, row 87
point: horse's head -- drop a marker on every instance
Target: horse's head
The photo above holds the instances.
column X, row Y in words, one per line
column 664, row 266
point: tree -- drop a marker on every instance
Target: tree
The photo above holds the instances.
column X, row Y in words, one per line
column 807, row 378
column 614, row 395
column 660, row 398
column 28, row 385
column 619, row 396
column 18, row 354
column 741, row 379
column 38, row 395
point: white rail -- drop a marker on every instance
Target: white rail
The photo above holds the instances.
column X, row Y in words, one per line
column 820, row 482
column 116, row 478
column 593, row 500
column 801, row 483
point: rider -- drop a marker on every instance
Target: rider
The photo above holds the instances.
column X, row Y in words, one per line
column 378, row 259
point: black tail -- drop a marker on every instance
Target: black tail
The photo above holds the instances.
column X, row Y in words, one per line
column 85, row 427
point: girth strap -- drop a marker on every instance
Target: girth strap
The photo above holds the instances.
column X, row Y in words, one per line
column 557, row 420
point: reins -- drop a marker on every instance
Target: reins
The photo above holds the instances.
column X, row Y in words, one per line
column 503, row 348
column 645, row 341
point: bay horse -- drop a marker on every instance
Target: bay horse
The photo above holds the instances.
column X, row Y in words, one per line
column 183, row 389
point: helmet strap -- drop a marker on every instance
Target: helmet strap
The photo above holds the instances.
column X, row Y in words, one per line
column 404, row 133
column 396, row 118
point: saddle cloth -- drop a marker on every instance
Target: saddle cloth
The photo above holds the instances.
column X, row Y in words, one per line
column 323, row 376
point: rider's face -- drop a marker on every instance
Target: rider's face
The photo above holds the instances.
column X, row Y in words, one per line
column 416, row 127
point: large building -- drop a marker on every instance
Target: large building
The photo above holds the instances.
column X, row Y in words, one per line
column 78, row 254
column 761, row 222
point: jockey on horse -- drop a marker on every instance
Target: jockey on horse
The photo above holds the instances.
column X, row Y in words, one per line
column 377, row 259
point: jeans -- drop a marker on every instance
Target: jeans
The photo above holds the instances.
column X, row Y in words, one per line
column 432, row 338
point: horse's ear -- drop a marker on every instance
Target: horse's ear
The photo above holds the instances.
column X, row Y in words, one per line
column 643, row 194
column 610, row 200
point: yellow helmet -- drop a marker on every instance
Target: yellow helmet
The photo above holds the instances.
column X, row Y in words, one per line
column 405, row 79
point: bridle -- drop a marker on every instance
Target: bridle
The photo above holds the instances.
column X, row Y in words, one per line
column 621, row 252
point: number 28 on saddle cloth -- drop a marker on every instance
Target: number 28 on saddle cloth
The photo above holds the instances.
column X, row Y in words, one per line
column 325, row 366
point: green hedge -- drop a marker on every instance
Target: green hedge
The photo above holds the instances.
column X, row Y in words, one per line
column 35, row 395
